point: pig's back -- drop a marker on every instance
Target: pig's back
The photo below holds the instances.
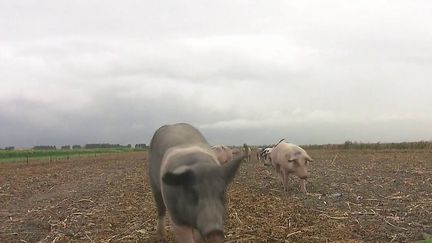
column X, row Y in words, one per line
column 278, row 153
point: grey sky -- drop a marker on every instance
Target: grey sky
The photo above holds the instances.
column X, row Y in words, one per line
column 76, row 72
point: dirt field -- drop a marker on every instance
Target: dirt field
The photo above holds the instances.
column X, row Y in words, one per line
column 354, row 196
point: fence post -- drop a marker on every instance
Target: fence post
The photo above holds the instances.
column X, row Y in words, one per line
column 27, row 158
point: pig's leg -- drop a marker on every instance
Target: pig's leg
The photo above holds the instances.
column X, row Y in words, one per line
column 282, row 174
column 183, row 234
column 161, row 232
column 278, row 172
column 285, row 181
column 303, row 186
column 282, row 177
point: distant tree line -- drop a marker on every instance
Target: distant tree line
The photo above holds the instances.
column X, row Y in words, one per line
column 45, row 147
column 346, row 145
column 87, row 146
column 359, row 145
column 8, row 148
column 76, row 146
column 103, row 145
column 140, row 146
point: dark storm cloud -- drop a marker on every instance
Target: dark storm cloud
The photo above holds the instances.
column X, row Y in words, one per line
column 109, row 118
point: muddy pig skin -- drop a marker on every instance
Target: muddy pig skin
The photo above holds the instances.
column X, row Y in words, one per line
column 188, row 181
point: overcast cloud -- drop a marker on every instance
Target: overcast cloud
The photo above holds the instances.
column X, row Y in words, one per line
column 76, row 72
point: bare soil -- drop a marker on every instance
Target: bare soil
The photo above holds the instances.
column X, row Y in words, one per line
column 354, row 196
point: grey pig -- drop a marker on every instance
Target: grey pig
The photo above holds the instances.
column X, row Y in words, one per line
column 187, row 180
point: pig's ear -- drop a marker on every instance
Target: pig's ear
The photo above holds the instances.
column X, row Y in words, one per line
column 183, row 175
column 230, row 168
column 308, row 158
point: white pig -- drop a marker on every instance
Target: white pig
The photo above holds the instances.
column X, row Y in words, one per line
column 288, row 158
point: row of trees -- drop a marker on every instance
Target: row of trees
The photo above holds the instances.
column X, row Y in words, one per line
column 44, row 147
column 379, row 145
column 346, row 145
column 8, row 148
column 105, row 145
column 87, row 146
column 140, row 146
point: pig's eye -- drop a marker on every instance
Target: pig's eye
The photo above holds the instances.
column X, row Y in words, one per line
column 291, row 160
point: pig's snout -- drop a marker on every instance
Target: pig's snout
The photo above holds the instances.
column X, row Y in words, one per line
column 213, row 233
column 304, row 175
column 210, row 220
column 214, row 236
